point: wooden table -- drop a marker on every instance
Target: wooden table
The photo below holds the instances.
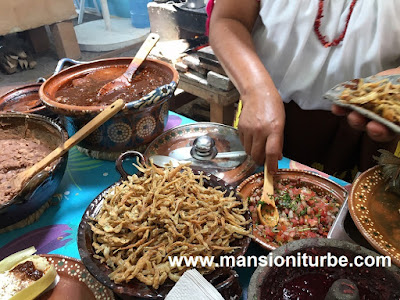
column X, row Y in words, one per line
column 222, row 104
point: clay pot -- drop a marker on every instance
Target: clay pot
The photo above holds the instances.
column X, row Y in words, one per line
column 24, row 99
column 26, row 207
column 134, row 127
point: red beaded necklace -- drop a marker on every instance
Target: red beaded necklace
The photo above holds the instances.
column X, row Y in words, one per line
column 317, row 24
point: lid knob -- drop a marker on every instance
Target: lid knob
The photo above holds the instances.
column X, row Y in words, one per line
column 203, row 148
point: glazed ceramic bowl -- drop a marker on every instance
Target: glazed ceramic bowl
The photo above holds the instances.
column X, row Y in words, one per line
column 300, row 178
column 375, row 211
column 223, row 278
column 24, row 99
column 271, row 281
column 24, row 207
column 140, row 122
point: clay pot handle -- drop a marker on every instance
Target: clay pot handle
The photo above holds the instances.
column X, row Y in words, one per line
column 119, row 162
column 63, row 61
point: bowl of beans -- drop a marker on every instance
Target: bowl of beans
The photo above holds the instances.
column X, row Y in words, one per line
column 307, row 203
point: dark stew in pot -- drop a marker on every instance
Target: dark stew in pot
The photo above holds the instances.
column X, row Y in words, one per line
column 82, row 91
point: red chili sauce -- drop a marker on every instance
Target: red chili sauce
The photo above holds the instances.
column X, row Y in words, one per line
column 82, row 91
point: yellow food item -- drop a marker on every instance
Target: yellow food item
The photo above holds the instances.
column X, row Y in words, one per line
column 28, row 276
column 382, row 97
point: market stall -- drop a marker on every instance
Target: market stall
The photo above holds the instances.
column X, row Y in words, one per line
column 109, row 228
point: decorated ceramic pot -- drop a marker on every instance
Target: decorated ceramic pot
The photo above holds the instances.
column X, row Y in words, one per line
column 140, row 122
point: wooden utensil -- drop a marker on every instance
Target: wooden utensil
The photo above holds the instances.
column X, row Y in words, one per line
column 266, row 209
column 21, row 178
column 125, row 79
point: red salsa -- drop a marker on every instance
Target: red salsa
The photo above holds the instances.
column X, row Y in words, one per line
column 303, row 213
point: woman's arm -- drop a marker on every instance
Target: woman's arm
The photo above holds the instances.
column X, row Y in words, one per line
column 262, row 120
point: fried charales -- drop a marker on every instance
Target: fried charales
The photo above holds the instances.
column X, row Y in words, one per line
column 382, row 97
column 164, row 213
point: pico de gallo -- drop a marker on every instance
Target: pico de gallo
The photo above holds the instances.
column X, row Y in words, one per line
column 303, row 213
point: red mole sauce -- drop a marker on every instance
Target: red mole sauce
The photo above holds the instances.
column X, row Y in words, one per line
column 27, row 271
column 83, row 91
column 16, row 156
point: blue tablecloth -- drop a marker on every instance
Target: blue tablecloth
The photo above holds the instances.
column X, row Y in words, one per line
column 56, row 230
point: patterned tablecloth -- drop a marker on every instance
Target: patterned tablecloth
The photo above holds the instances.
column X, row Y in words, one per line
column 56, row 230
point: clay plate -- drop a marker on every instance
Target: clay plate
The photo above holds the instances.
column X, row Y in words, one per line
column 75, row 281
column 334, row 96
column 226, row 139
column 221, row 278
column 376, row 213
column 317, row 183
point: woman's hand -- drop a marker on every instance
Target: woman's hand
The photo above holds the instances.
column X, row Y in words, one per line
column 376, row 131
column 261, row 126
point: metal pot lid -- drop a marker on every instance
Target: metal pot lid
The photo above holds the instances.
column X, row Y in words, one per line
column 217, row 149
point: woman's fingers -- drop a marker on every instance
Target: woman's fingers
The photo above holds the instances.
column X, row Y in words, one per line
column 273, row 149
column 379, row 132
column 357, row 121
column 258, row 149
column 339, row 110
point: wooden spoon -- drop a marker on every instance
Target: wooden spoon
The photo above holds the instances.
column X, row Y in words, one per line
column 125, row 79
column 18, row 182
column 266, row 209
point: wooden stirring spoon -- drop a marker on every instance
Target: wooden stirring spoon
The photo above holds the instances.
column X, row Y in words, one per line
column 22, row 178
column 266, row 209
column 125, row 79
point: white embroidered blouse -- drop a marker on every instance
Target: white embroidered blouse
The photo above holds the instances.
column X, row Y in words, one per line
column 302, row 68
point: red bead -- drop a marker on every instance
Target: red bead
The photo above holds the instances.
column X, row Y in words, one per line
column 317, row 24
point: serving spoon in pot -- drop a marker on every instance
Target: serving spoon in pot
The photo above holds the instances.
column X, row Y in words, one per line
column 22, row 178
column 266, row 208
column 125, row 80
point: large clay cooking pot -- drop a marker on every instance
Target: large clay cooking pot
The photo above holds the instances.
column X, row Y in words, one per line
column 140, row 122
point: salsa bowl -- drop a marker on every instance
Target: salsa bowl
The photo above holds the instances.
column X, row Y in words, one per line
column 307, row 203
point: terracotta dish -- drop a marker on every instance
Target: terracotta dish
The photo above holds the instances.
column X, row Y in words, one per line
column 222, row 278
column 302, row 282
column 299, row 178
column 75, row 282
column 24, row 99
column 376, row 212
column 226, row 139
column 71, row 93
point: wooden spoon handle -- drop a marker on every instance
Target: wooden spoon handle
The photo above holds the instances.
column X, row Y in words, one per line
column 101, row 118
column 268, row 188
column 141, row 55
